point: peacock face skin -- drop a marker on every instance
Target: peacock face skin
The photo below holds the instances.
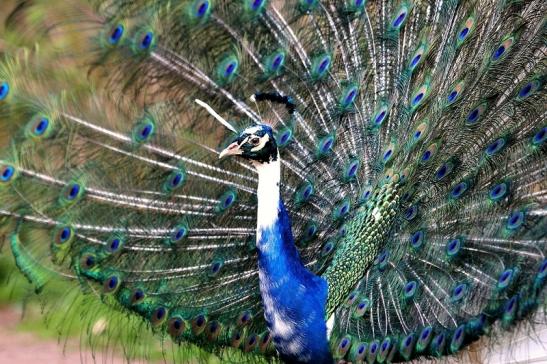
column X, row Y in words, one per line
column 256, row 143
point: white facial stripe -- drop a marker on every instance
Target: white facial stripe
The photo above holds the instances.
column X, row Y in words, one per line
column 262, row 143
column 252, row 129
column 245, row 140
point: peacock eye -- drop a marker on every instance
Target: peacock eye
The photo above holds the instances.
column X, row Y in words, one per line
column 254, row 141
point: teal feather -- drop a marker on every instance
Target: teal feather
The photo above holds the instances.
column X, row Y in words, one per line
column 411, row 137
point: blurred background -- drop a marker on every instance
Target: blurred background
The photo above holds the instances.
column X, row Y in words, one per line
column 32, row 331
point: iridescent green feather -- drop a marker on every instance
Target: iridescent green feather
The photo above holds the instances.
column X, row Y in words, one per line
column 412, row 164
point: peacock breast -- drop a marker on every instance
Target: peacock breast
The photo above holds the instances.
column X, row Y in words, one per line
column 293, row 298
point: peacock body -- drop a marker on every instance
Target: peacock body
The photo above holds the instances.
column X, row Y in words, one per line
column 384, row 198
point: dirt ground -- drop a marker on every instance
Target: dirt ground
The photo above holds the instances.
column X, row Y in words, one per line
column 17, row 347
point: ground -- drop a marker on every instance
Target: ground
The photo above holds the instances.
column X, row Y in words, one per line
column 22, row 347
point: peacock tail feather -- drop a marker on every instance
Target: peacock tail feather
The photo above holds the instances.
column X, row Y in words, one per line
column 411, row 137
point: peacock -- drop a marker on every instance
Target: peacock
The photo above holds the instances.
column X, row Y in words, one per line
column 305, row 181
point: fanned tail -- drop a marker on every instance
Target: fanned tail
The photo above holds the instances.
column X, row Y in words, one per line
column 439, row 103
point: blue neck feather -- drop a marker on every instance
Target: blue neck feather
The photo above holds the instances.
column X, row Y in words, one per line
column 294, row 298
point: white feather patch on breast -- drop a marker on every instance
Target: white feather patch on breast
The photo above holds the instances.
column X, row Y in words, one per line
column 282, row 326
column 330, row 325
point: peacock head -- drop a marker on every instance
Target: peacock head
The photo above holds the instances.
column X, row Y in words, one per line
column 256, row 143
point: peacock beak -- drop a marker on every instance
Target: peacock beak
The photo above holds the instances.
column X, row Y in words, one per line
column 232, row 149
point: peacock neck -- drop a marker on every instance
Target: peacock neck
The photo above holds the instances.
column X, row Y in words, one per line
column 294, row 298
column 278, row 256
column 275, row 243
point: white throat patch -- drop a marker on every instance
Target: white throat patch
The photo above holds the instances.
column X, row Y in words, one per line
column 269, row 175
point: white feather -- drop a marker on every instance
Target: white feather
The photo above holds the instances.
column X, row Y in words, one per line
column 216, row 115
column 330, row 325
